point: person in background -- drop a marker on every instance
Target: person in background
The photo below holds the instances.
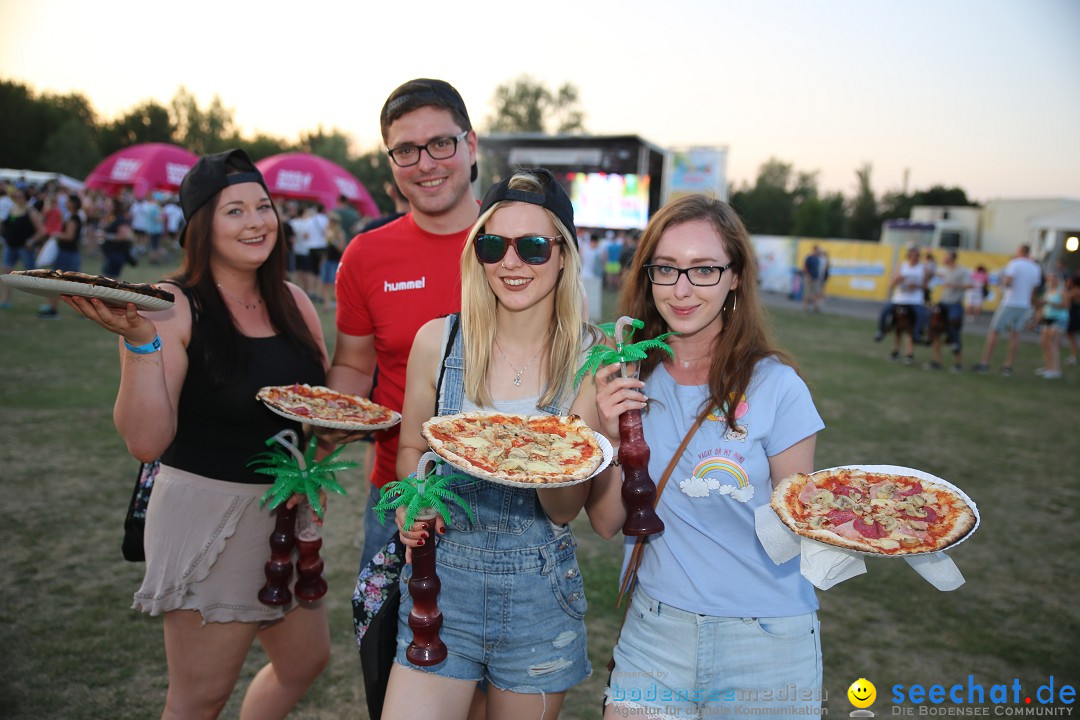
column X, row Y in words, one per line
column 626, row 257
column 395, row 278
column 117, row 239
column 174, row 221
column 299, row 224
column 954, row 281
column 155, row 228
column 188, row 378
column 335, row 245
column 1020, row 279
column 51, row 206
column 711, row 611
column 813, row 280
column 523, row 333
column 311, row 229
column 21, row 230
column 976, row 294
column 6, row 203
column 1072, row 293
column 140, row 221
column 348, row 218
column 401, row 206
column 1054, row 319
column 930, row 267
column 613, row 243
column 908, row 285
column 68, row 256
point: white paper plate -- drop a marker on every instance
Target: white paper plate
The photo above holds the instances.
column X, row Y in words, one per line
column 922, row 475
column 605, row 448
column 52, row 287
column 333, row 424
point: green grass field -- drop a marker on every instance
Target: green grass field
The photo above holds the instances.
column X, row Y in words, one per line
column 71, row 649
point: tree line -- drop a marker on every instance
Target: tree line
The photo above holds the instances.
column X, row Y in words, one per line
column 783, row 201
column 63, row 133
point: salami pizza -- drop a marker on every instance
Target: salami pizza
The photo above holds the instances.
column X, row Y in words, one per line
column 873, row 512
column 322, row 406
column 517, row 449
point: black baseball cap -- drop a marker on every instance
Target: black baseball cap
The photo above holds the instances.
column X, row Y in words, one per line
column 554, row 198
column 425, row 92
column 210, row 175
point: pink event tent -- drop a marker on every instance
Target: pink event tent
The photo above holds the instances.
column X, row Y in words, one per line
column 143, row 168
column 303, row 176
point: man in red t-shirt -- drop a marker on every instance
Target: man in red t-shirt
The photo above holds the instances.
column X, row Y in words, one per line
column 397, row 277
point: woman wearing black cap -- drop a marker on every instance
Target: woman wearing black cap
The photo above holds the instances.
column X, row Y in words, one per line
column 512, row 598
column 188, row 380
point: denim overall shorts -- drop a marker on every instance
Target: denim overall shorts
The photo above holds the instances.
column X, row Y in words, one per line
column 512, row 598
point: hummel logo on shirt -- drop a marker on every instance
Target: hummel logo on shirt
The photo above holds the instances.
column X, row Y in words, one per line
column 405, row 285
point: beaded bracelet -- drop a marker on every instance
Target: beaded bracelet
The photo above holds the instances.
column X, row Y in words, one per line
column 151, row 347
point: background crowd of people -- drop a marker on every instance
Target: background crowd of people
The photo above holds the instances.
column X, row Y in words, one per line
column 1033, row 300
column 122, row 230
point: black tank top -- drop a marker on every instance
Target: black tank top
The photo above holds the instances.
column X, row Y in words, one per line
column 220, row 428
column 73, row 244
column 17, row 229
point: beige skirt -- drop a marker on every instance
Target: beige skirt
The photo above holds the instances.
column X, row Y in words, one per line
column 207, row 544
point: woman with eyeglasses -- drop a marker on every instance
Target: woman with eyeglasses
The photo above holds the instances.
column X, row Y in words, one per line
column 712, row 619
column 512, row 598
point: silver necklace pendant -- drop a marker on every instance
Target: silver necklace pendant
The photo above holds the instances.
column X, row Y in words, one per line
column 517, row 379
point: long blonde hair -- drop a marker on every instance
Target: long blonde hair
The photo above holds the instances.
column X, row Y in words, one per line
column 479, row 306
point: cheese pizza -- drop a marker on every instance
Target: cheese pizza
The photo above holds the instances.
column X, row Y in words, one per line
column 518, row 449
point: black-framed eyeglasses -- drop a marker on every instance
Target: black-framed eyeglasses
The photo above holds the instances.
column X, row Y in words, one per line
column 701, row 275
column 532, row 249
column 440, row 148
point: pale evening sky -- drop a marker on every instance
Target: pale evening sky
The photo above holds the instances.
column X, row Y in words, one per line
column 980, row 94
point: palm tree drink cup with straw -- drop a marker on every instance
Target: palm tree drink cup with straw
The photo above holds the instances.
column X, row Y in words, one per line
column 296, row 473
column 638, row 488
column 424, row 495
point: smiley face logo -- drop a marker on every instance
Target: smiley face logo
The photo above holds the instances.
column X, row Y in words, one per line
column 862, row 693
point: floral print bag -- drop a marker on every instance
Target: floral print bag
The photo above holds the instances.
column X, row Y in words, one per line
column 376, row 600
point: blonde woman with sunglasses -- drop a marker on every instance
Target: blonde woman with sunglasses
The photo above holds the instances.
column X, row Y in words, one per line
column 512, row 599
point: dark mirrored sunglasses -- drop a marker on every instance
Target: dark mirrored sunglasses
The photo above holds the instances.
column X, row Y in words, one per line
column 532, row 249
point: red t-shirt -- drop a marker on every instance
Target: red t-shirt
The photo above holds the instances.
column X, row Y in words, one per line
column 53, row 221
column 391, row 281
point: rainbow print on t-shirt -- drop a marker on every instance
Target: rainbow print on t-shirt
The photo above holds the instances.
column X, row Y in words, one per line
column 708, row 475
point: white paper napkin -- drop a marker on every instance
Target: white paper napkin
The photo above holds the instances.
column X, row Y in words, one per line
column 825, row 565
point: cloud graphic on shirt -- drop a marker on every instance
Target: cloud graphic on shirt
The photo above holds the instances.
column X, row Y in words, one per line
column 742, row 494
column 698, row 487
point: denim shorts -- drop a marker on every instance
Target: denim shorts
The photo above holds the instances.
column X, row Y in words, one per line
column 677, row 664
column 512, row 617
column 328, row 273
column 69, row 260
column 13, row 256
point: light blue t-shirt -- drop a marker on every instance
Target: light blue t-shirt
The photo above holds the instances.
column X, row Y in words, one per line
column 708, row 560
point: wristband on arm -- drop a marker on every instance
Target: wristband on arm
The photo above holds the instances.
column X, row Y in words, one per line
column 151, row 347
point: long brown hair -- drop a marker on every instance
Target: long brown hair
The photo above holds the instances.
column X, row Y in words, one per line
column 745, row 338
column 223, row 351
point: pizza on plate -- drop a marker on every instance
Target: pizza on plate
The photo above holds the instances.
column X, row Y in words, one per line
column 873, row 512
column 526, row 449
column 99, row 281
column 322, row 406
